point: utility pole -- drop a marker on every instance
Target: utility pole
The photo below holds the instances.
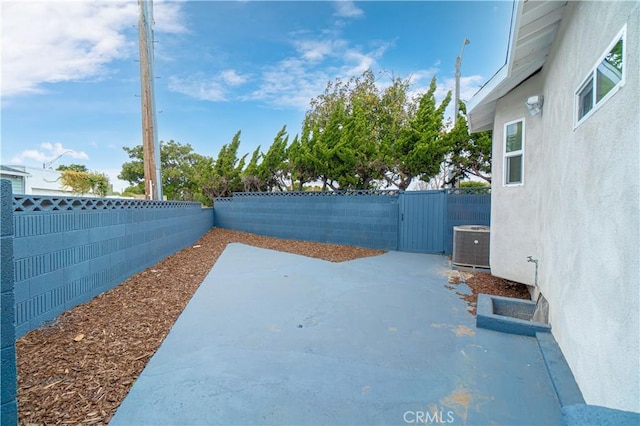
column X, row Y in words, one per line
column 456, row 105
column 150, row 145
column 457, row 95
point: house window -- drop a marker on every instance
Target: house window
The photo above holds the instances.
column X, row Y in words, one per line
column 605, row 79
column 514, row 152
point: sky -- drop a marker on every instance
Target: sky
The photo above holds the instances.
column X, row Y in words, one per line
column 70, row 76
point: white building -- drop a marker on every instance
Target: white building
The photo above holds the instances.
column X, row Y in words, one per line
column 35, row 181
column 566, row 186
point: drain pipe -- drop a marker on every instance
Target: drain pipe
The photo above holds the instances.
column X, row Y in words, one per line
column 531, row 259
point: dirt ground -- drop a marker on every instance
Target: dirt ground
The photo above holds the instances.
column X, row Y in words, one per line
column 79, row 368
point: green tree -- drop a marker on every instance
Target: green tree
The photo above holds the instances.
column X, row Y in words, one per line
column 332, row 159
column 133, row 171
column 250, row 179
column 301, row 165
column 470, row 154
column 202, row 171
column 356, row 136
column 394, row 112
column 132, row 191
column 226, row 176
column 420, row 146
column 322, row 134
column 474, row 184
column 341, row 136
column 273, row 170
column 73, row 167
column 86, row 182
column 362, row 131
column 181, row 170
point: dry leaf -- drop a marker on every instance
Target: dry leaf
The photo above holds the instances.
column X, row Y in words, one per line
column 79, row 337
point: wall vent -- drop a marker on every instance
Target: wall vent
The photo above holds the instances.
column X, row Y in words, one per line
column 471, row 246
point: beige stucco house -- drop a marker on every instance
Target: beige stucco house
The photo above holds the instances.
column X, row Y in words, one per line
column 565, row 116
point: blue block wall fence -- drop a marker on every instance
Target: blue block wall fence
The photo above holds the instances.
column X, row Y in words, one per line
column 363, row 218
column 68, row 250
column 8, row 371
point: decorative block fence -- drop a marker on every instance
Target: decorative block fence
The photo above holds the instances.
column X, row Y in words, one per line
column 362, row 218
column 8, row 372
column 420, row 221
column 68, row 250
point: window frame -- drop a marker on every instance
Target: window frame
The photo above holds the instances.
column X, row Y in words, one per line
column 506, row 155
column 591, row 79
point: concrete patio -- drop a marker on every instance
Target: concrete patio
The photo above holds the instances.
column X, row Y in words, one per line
column 276, row 338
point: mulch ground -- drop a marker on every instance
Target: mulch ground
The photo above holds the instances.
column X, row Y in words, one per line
column 484, row 282
column 79, row 368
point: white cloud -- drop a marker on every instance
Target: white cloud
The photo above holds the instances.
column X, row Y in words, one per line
column 48, row 152
column 232, row 78
column 347, row 9
column 469, row 85
column 205, row 89
column 294, row 81
column 314, row 50
column 422, row 78
column 290, row 83
column 169, row 17
column 56, row 41
column 358, row 62
column 319, row 57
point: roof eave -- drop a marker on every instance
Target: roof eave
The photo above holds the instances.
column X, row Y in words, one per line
column 530, row 41
column 481, row 107
column 10, row 171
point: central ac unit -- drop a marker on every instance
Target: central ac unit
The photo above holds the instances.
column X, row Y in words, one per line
column 471, row 246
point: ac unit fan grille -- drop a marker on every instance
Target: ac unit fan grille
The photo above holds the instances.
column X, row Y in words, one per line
column 471, row 246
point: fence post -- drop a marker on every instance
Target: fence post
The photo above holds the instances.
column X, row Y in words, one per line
column 8, row 370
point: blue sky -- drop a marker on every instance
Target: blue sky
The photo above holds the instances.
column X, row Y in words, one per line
column 70, row 76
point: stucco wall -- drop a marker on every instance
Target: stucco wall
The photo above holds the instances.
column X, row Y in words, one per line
column 514, row 216
column 581, row 196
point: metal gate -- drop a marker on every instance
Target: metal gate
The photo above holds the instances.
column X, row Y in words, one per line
column 422, row 218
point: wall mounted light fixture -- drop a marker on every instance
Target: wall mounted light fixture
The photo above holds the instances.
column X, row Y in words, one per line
column 534, row 104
